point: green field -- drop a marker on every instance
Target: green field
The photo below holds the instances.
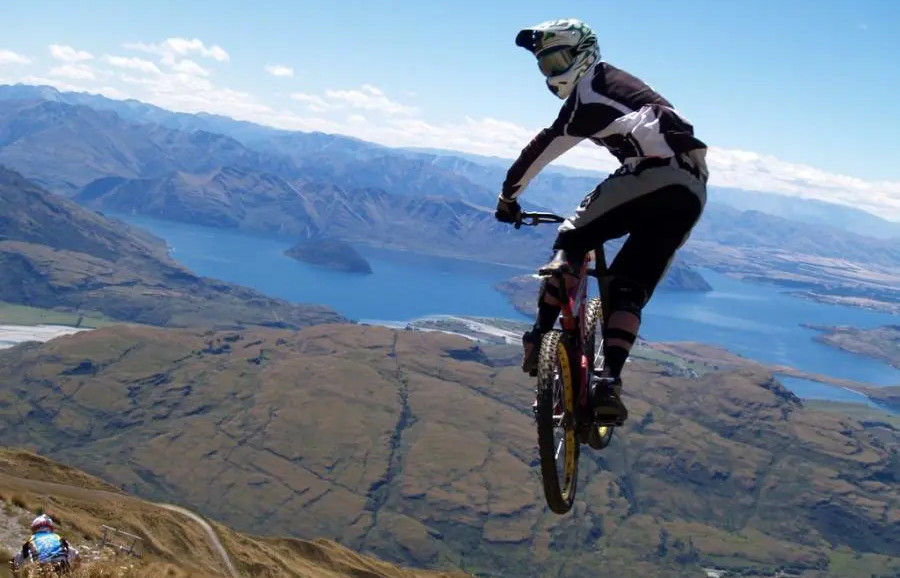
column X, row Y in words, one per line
column 12, row 314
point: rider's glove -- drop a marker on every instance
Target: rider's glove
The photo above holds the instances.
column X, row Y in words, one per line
column 508, row 210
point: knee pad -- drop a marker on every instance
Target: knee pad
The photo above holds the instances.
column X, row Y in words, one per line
column 626, row 295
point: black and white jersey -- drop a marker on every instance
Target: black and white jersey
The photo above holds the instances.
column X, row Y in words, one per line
column 615, row 110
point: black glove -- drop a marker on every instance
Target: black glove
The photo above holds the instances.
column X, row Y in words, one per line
column 508, row 211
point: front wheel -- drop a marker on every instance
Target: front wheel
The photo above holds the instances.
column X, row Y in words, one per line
column 555, row 415
column 599, row 436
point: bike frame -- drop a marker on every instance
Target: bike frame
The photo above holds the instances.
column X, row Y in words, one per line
column 573, row 307
column 573, row 321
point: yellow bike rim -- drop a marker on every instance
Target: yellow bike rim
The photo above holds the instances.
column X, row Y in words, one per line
column 568, row 392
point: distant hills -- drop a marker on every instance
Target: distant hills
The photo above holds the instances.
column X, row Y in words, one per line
column 756, row 230
column 54, row 253
column 558, row 187
column 811, row 211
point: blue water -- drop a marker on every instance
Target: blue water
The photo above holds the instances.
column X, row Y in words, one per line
column 807, row 389
column 763, row 322
column 754, row 320
column 403, row 285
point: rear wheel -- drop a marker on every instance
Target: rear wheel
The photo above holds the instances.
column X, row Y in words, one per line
column 599, row 436
column 555, row 415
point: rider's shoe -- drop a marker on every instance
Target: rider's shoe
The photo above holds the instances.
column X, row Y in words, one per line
column 531, row 349
column 558, row 264
column 606, row 400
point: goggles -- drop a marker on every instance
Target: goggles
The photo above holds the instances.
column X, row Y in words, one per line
column 555, row 61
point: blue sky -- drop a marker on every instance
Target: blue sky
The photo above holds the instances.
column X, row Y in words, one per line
column 793, row 96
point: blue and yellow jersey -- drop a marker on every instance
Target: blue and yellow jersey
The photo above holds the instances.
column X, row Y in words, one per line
column 47, row 545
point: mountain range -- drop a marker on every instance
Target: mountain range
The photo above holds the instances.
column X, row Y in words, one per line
column 129, row 157
column 559, row 188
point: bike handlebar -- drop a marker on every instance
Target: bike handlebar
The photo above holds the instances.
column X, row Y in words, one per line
column 537, row 218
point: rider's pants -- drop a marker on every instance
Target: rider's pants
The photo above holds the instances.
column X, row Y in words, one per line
column 657, row 204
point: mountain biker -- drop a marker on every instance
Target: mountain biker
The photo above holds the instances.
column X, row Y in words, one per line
column 656, row 196
column 45, row 546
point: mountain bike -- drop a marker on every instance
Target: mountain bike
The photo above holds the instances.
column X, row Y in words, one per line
column 567, row 358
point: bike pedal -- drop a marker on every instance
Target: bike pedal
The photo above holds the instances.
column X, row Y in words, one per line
column 611, row 422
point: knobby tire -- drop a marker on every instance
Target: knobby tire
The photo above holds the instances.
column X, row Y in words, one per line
column 599, row 436
column 556, row 360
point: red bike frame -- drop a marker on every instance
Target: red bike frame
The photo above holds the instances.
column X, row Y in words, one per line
column 573, row 321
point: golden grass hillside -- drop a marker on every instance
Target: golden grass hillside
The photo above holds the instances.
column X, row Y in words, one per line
column 419, row 448
column 174, row 545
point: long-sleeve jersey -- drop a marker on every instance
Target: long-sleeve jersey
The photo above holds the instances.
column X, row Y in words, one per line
column 614, row 110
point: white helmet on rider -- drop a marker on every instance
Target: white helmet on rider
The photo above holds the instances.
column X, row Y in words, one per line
column 565, row 51
column 42, row 522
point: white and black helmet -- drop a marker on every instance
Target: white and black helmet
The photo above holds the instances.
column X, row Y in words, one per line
column 565, row 51
column 41, row 523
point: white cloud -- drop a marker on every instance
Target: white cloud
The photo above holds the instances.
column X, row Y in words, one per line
column 133, row 63
column 754, row 171
column 313, row 103
column 10, row 57
column 181, row 46
column 75, row 71
column 190, row 67
column 69, row 54
column 279, row 70
column 368, row 97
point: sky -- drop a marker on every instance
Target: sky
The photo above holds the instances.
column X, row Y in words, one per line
column 792, row 96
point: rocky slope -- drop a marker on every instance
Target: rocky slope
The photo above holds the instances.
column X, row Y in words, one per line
column 419, row 448
column 54, row 253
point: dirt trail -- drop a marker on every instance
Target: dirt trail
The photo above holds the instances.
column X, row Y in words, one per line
column 210, row 533
column 75, row 492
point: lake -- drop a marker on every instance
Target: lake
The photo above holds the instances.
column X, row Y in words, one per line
column 757, row 321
